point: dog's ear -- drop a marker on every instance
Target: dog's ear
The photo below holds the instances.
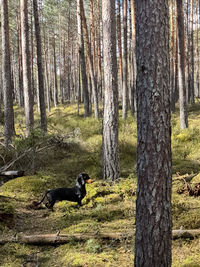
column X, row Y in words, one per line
column 80, row 179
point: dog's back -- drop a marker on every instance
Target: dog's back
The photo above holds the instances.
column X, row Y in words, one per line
column 70, row 194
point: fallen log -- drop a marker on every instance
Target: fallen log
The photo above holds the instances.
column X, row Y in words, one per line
column 185, row 233
column 58, row 239
column 5, row 176
column 54, row 239
column 12, row 174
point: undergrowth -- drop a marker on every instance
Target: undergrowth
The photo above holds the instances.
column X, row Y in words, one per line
column 73, row 145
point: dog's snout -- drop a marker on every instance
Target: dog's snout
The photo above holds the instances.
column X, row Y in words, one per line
column 89, row 181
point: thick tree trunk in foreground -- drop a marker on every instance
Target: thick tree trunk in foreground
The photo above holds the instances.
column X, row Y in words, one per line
column 40, row 69
column 110, row 153
column 7, row 79
column 153, row 205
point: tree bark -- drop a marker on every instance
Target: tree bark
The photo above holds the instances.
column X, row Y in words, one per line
column 91, row 67
column 125, row 64
column 99, row 71
column 191, row 88
column 119, row 39
column 28, row 97
column 181, row 65
column 153, row 205
column 110, row 153
column 40, row 69
column 20, row 94
column 7, row 79
column 172, row 57
column 132, row 95
column 82, row 62
column 55, row 91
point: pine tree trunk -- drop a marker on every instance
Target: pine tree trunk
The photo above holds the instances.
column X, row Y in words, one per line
column 172, row 61
column 181, row 66
column 55, row 91
column 40, row 69
column 125, row 64
column 133, row 61
column 91, row 67
column 110, row 153
column 119, row 39
column 99, row 74
column 153, row 205
column 7, row 79
column 82, row 63
column 176, row 86
column 192, row 53
column 197, row 56
column 20, row 95
column 28, row 97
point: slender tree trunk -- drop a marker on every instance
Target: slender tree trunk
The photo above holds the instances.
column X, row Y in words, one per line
column 19, row 60
column 28, row 97
column 192, row 52
column 133, row 61
column 110, row 118
column 93, row 36
column 172, row 56
column 125, row 64
column 176, row 85
column 40, row 69
column 46, row 60
column 55, row 91
column 91, row 67
column 119, row 39
column 153, row 205
column 181, row 66
column 82, row 63
column 32, row 48
column 7, row 79
column 99, row 74
column 197, row 53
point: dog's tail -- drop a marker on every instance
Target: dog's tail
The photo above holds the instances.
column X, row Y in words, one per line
column 38, row 203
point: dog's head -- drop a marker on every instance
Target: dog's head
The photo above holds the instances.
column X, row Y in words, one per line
column 83, row 178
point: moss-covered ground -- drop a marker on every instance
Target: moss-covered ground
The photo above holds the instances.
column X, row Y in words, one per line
column 73, row 145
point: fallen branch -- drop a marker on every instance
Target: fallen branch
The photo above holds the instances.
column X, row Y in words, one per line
column 58, row 239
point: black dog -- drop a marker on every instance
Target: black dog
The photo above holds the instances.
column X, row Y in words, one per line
column 74, row 194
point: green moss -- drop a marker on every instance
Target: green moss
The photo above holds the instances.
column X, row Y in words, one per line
column 25, row 187
column 107, row 206
column 15, row 255
column 85, row 226
column 6, row 208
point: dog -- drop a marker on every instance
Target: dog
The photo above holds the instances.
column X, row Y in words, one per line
column 74, row 194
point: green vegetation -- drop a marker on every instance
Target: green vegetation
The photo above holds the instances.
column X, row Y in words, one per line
column 73, row 145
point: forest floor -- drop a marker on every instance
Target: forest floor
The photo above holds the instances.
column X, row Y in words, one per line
column 73, row 145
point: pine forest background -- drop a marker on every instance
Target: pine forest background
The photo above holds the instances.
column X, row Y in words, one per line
column 66, row 78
